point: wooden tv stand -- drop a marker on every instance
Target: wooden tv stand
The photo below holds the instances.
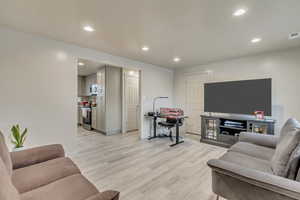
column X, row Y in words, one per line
column 223, row 130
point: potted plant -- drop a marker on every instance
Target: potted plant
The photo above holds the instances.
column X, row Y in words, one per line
column 18, row 137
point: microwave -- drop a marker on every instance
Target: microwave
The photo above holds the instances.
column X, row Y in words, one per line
column 94, row 90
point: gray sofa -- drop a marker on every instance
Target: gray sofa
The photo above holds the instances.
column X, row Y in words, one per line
column 260, row 167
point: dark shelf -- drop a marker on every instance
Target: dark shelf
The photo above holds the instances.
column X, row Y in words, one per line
column 214, row 129
column 229, row 127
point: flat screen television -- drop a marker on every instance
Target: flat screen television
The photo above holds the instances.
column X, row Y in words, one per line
column 239, row 97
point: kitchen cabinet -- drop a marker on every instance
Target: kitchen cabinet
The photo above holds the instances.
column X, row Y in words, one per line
column 89, row 81
column 84, row 84
column 81, row 86
column 94, row 117
column 79, row 116
column 106, row 117
column 101, row 101
column 113, row 100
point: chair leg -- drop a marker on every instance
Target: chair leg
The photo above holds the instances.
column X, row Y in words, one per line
column 171, row 136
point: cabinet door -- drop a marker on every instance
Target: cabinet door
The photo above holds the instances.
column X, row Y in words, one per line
column 87, row 86
column 80, row 86
column 83, row 93
column 101, row 122
column 94, row 117
column 89, row 81
column 80, row 119
column 259, row 127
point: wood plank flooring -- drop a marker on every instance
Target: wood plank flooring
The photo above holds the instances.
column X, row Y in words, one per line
column 147, row 170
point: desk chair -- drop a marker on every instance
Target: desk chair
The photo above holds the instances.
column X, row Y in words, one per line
column 169, row 124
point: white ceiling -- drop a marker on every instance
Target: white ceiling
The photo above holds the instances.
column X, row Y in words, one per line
column 197, row 31
column 89, row 67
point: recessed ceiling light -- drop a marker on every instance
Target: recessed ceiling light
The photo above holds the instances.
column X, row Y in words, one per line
column 80, row 64
column 176, row 59
column 239, row 12
column 145, row 48
column 256, row 40
column 88, row 28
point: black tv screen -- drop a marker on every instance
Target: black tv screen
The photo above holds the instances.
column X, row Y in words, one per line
column 239, row 97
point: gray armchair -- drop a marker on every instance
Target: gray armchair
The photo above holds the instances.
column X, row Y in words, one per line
column 244, row 172
column 44, row 173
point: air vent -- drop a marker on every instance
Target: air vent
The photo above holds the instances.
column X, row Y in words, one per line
column 294, row 36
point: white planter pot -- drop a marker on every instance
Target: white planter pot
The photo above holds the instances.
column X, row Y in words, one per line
column 18, row 149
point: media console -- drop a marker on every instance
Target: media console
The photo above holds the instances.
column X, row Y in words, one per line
column 224, row 130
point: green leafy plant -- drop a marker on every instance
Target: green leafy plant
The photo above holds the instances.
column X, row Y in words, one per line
column 18, row 138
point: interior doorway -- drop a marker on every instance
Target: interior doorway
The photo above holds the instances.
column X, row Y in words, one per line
column 131, row 100
column 90, row 97
column 108, row 98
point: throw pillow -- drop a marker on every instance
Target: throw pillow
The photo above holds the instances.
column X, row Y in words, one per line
column 298, row 176
column 284, row 149
column 293, row 164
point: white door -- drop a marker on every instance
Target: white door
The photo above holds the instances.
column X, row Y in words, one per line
column 131, row 100
column 194, row 102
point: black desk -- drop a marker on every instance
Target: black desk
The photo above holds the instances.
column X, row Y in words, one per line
column 155, row 117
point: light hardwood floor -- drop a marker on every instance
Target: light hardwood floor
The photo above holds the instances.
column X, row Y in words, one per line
column 146, row 170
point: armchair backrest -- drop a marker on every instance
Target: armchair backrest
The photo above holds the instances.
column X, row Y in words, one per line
column 5, row 155
column 7, row 189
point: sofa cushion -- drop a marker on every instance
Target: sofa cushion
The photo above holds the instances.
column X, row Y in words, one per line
column 5, row 155
column 74, row 187
column 286, row 145
column 254, row 150
column 247, row 161
column 7, row 190
column 34, row 176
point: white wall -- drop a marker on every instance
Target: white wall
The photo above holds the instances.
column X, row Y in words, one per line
column 154, row 84
column 283, row 67
column 38, row 85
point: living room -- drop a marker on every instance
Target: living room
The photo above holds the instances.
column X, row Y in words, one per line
column 178, row 50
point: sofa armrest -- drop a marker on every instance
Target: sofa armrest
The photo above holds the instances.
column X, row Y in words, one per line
column 259, row 139
column 106, row 195
column 36, row 155
column 276, row 184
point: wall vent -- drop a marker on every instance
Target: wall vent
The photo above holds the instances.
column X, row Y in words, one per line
column 294, row 35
